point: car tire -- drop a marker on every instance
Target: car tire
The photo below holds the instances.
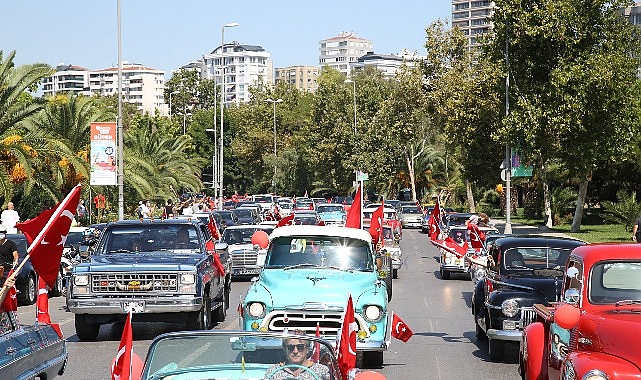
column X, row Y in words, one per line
column 369, row 359
column 58, row 287
column 480, row 333
column 200, row 320
column 29, row 292
column 84, row 330
column 394, row 273
column 220, row 313
column 496, row 349
column 445, row 275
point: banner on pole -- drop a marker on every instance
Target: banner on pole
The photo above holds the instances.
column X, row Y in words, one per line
column 103, row 154
column 520, row 168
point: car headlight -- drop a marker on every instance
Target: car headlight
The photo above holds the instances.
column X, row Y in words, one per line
column 448, row 260
column 373, row 313
column 187, row 278
column 595, row 374
column 81, row 280
column 448, row 253
column 256, row 309
column 510, row 308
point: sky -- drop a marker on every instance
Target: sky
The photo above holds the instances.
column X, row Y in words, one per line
column 165, row 35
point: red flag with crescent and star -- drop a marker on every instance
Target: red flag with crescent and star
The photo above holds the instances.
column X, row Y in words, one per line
column 121, row 366
column 213, row 228
column 42, row 307
column 347, row 340
column 286, row 221
column 10, row 301
column 477, row 237
column 376, row 225
column 353, row 218
column 47, row 234
column 452, row 246
column 400, row 329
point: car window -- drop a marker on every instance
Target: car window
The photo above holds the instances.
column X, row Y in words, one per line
column 332, row 208
column 344, row 253
column 150, row 239
column 613, row 281
column 536, row 258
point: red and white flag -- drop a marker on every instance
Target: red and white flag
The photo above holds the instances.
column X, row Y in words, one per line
column 477, row 237
column 121, row 368
column 42, row 307
column 376, row 225
column 353, row 218
column 316, row 353
column 400, row 329
column 435, row 229
column 346, row 347
column 213, row 228
column 47, row 234
column 452, row 246
column 286, row 221
column 10, row 301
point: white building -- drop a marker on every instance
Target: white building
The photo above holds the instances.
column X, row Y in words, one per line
column 141, row 86
column 341, row 51
column 67, row 78
column 388, row 64
column 244, row 66
column 301, row 77
column 472, row 17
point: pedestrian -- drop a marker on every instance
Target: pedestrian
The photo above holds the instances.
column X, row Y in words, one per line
column 168, row 211
column 146, row 210
column 9, row 218
column 636, row 230
column 8, row 252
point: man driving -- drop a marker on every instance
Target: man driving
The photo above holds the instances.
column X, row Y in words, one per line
column 298, row 365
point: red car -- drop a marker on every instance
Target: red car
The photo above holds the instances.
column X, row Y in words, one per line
column 594, row 332
column 390, row 218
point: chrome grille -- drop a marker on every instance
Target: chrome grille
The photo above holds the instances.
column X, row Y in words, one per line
column 528, row 315
column 242, row 258
column 329, row 323
column 136, row 282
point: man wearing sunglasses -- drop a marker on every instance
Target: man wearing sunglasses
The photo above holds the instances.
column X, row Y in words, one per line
column 297, row 353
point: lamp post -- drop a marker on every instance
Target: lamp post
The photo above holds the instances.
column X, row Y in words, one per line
column 274, row 103
column 121, row 140
column 213, row 157
column 170, row 94
column 353, row 82
column 222, row 107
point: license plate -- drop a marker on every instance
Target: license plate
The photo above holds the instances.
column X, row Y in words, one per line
column 134, row 307
column 246, row 271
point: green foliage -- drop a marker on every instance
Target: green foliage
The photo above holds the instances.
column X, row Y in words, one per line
column 625, row 211
column 563, row 199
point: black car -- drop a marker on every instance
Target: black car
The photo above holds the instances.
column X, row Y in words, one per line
column 246, row 215
column 225, row 218
column 521, row 271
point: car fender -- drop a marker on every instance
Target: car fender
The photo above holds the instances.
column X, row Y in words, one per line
column 533, row 349
column 613, row 366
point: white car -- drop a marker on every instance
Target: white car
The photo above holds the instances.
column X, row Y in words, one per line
column 246, row 259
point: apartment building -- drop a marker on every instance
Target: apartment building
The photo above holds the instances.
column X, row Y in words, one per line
column 341, row 51
column 388, row 64
column 67, row 78
column 243, row 66
column 472, row 17
column 301, row 77
column 141, row 85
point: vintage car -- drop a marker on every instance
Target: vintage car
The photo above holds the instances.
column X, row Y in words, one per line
column 30, row 351
column 224, row 354
column 390, row 218
column 451, row 263
column 160, row 270
column 411, row 216
column 246, row 258
column 391, row 248
column 591, row 334
column 454, row 219
column 332, row 214
column 307, row 217
column 478, row 260
column 522, row 271
column 308, row 274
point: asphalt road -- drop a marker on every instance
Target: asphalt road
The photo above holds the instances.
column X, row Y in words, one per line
column 438, row 311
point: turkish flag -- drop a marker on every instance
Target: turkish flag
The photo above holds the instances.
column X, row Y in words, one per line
column 121, row 367
column 42, row 303
column 477, row 237
column 286, row 221
column 213, row 228
column 452, row 246
column 376, row 225
column 219, row 265
column 10, row 301
column 354, row 213
column 316, row 353
column 435, row 229
column 47, row 234
column 400, row 330
column 347, row 340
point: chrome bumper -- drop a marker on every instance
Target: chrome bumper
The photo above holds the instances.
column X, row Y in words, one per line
column 151, row 305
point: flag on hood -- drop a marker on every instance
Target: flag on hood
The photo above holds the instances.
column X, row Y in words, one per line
column 347, row 340
column 10, row 301
column 353, row 218
column 400, row 329
column 477, row 237
column 376, row 225
column 47, row 234
column 121, row 367
column 450, row 245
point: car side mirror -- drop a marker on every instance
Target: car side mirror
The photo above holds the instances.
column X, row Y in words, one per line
column 572, row 296
column 221, row 246
column 572, row 272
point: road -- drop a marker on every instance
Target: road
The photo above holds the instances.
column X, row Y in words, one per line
column 438, row 311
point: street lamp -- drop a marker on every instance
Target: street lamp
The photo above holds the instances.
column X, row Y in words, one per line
column 274, row 103
column 213, row 158
column 222, row 106
column 170, row 94
column 353, row 82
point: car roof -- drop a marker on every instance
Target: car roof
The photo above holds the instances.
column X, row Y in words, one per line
column 247, row 226
column 508, row 242
column 128, row 222
column 306, row 230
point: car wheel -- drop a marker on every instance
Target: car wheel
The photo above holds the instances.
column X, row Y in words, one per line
column 29, row 292
column 58, row 287
column 85, row 330
column 220, row 313
column 480, row 333
column 445, row 275
column 496, row 349
column 373, row 359
column 395, row 273
column 200, row 320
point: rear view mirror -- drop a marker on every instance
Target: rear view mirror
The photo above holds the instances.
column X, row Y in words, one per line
column 572, row 272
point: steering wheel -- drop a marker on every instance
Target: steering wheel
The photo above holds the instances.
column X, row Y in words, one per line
column 282, row 367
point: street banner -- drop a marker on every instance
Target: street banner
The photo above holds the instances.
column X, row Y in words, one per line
column 103, row 154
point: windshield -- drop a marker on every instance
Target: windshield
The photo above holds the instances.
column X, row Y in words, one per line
column 74, row 238
column 241, row 235
column 321, row 251
column 612, row 282
column 157, row 238
column 243, row 213
column 411, row 210
column 536, row 258
column 234, row 355
column 332, row 208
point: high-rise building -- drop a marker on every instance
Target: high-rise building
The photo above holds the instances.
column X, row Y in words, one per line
column 67, row 78
column 141, row 85
column 472, row 17
column 244, row 66
column 340, row 51
column 388, row 64
column 301, row 77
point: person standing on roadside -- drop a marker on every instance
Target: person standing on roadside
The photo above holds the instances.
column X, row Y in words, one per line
column 168, row 212
column 9, row 218
column 8, row 252
column 636, row 230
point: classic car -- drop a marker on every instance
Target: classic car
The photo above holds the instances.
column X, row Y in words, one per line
column 332, row 214
column 522, row 271
column 307, row 217
column 308, row 274
column 452, row 263
column 478, row 260
column 224, row 354
column 161, row 271
column 30, row 351
column 591, row 333
column 456, row 219
column 390, row 218
column 246, row 259
column 411, row 216
column 391, row 248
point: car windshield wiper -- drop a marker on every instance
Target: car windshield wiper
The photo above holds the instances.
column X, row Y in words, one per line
column 301, row 265
column 627, row 302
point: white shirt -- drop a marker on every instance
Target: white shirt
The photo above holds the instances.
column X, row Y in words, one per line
column 145, row 211
column 9, row 219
